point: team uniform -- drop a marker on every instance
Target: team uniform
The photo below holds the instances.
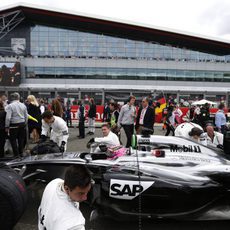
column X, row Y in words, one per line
column 111, row 140
column 59, row 131
column 218, row 139
column 57, row 211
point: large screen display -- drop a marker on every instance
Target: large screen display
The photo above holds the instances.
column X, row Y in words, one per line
column 10, row 73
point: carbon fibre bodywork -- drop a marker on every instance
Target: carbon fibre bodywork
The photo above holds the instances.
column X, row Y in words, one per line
column 162, row 177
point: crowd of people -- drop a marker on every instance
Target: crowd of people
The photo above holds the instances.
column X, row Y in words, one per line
column 31, row 119
column 59, row 208
column 53, row 120
column 77, row 178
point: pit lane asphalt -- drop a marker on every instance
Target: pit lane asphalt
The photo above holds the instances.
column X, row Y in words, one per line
column 29, row 219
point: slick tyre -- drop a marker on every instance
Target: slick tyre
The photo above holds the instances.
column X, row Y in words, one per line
column 13, row 197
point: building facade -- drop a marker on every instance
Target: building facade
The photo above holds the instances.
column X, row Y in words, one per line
column 62, row 53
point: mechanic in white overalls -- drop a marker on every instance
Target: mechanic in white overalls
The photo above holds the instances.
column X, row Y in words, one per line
column 59, row 130
column 59, row 208
column 196, row 134
column 191, row 131
column 215, row 139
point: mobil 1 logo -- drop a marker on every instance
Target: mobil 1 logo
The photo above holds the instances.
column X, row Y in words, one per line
column 127, row 190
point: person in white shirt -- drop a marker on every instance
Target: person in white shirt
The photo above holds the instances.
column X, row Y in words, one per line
column 220, row 119
column 42, row 106
column 109, row 138
column 59, row 130
column 126, row 119
column 59, row 208
column 214, row 138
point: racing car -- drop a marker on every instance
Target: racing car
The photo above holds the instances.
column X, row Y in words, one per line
column 159, row 177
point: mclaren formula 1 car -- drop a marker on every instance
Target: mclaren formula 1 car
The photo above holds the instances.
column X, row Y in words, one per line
column 159, row 177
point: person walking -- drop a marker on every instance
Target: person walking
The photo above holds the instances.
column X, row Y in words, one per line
column 2, row 129
column 126, row 119
column 15, row 123
column 91, row 116
column 34, row 111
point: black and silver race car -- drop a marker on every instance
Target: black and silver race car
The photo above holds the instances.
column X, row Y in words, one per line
column 159, row 177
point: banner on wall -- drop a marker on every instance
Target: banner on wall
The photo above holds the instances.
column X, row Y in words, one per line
column 10, row 73
column 18, row 45
column 99, row 112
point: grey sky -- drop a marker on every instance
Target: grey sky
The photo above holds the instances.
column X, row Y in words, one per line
column 205, row 17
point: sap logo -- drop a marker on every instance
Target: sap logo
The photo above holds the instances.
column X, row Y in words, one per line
column 118, row 189
column 127, row 190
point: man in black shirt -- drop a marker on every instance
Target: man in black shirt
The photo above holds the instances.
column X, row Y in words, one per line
column 81, row 118
column 91, row 116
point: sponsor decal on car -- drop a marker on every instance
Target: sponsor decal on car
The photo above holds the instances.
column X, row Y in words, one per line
column 127, row 190
column 191, row 158
column 185, row 148
column 144, row 141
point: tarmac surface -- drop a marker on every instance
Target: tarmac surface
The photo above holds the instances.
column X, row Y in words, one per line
column 29, row 219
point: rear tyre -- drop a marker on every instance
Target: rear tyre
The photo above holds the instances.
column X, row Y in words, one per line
column 13, row 197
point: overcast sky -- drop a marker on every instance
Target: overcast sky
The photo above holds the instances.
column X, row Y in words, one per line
column 205, row 17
